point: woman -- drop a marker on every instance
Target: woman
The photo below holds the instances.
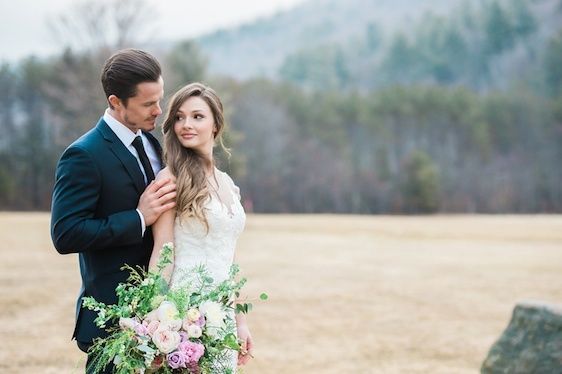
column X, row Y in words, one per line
column 208, row 217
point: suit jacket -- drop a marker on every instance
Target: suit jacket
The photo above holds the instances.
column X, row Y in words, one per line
column 98, row 183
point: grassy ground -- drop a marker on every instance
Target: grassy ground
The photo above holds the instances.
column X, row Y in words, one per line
column 348, row 294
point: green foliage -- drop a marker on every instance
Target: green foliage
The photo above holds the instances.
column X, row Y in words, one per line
column 141, row 299
column 525, row 23
column 421, row 184
column 399, row 64
column 6, row 183
column 553, row 66
column 500, row 31
column 185, row 64
column 137, row 295
column 322, row 67
column 465, row 47
column 481, row 103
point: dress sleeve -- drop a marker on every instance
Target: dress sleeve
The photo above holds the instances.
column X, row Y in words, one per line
column 234, row 187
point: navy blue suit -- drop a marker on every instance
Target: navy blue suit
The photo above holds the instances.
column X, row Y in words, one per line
column 97, row 188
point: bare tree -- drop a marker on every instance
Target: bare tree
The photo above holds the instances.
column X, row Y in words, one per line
column 91, row 25
column 90, row 31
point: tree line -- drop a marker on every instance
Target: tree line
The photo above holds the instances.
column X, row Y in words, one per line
column 412, row 146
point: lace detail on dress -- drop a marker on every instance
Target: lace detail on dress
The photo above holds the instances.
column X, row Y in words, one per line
column 215, row 249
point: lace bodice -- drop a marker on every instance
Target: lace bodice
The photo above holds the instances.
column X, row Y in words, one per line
column 214, row 249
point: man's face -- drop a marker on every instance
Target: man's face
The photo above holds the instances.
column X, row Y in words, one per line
column 142, row 109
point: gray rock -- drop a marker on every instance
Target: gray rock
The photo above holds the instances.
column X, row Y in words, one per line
column 531, row 344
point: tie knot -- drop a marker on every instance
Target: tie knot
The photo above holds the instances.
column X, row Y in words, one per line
column 137, row 142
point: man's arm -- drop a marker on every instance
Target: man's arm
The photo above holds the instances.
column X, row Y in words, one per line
column 75, row 197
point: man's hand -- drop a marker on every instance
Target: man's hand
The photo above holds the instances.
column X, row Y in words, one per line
column 158, row 197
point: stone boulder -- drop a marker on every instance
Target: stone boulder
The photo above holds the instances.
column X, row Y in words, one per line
column 531, row 343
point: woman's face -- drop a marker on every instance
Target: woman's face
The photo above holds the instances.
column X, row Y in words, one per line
column 195, row 125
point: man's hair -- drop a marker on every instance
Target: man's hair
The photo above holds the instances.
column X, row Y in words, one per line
column 127, row 68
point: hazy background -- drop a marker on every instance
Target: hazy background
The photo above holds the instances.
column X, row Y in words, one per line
column 345, row 107
column 362, row 107
column 24, row 24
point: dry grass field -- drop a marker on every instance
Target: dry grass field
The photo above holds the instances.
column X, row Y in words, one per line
column 348, row 294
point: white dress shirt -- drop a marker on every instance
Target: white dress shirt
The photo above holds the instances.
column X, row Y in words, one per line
column 127, row 136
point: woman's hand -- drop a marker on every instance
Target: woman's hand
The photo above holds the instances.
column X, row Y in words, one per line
column 246, row 344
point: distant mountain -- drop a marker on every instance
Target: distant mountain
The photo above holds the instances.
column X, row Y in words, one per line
column 260, row 48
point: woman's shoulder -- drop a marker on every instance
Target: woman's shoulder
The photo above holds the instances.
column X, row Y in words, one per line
column 165, row 173
column 230, row 181
column 225, row 174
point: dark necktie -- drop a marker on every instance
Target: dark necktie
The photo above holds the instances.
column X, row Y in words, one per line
column 137, row 143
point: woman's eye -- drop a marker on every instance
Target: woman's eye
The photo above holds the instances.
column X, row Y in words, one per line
column 198, row 116
column 179, row 118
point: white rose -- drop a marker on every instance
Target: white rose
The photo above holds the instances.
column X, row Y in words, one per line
column 167, row 311
column 152, row 316
column 165, row 340
column 128, row 323
column 214, row 316
column 194, row 331
column 172, row 324
column 193, row 314
column 185, row 323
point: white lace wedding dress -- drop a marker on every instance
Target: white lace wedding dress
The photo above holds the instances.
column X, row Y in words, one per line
column 214, row 249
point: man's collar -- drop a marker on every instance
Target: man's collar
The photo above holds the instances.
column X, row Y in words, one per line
column 123, row 132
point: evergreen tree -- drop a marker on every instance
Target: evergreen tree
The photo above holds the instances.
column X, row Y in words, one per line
column 525, row 23
column 186, row 64
column 553, row 66
column 420, row 187
column 373, row 37
column 399, row 64
column 499, row 30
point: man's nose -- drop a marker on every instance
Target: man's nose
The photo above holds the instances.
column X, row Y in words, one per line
column 157, row 110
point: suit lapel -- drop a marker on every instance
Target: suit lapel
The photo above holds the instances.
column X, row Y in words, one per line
column 127, row 159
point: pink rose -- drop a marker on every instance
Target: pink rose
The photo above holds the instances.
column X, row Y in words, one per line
column 165, row 340
column 152, row 316
column 192, row 350
column 141, row 329
column 152, row 327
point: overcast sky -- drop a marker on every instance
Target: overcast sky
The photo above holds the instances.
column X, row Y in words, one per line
column 24, row 31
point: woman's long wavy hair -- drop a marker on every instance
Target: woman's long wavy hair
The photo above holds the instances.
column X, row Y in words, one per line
column 187, row 165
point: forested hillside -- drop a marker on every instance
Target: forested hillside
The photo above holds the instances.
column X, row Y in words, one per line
column 260, row 48
column 354, row 107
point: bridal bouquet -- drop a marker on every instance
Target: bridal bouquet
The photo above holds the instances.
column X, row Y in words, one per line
column 189, row 330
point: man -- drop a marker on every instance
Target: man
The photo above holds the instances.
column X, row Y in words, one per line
column 105, row 199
